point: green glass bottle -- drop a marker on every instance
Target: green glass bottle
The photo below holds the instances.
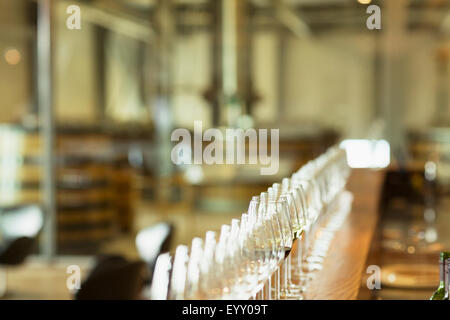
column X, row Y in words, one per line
column 439, row 294
column 447, row 279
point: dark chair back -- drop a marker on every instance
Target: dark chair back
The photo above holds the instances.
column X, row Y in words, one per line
column 19, row 228
column 14, row 252
column 113, row 278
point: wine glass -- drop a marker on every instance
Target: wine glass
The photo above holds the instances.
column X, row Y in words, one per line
column 279, row 216
column 259, row 242
column 193, row 269
column 222, row 272
column 206, row 265
column 160, row 283
column 295, row 206
column 243, row 279
column 179, row 271
column 249, row 253
column 272, row 235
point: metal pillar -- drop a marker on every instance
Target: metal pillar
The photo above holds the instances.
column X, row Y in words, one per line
column 290, row 20
column 393, row 81
column 229, row 47
column 165, row 27
column 45, row 104
column 282, row 65
column 442, row 116
column 232, row 50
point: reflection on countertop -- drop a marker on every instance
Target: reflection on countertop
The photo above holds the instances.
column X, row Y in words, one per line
column 414, row 226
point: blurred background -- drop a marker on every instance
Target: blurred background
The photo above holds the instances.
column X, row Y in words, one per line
column 86, row 116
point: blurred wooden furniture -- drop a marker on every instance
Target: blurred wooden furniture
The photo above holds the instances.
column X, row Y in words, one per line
column 432, row 146
column 123, row 194
column 229, row 188
column 93, row 183
column 413, row 228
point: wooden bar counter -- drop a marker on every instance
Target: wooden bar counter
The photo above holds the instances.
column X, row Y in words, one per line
column 340, row 278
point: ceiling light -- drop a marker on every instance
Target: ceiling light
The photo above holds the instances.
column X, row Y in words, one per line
column 12, row 56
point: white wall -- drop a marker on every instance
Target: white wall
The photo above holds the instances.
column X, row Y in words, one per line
column 330, row 80
column 75, row 86
column 15, row 91
column 421, row 80
column 192, row 77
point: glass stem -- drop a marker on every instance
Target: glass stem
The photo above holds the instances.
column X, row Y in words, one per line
column 276, row 284
column 266, row 290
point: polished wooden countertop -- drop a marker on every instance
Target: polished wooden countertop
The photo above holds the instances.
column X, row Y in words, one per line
column 344, row 266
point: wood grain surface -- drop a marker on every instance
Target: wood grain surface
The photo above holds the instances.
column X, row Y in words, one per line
column 340, row 278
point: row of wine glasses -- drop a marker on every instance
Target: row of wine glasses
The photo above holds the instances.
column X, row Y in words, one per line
column 272, row 251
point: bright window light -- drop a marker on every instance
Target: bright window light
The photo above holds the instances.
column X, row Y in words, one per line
column 363, row 153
